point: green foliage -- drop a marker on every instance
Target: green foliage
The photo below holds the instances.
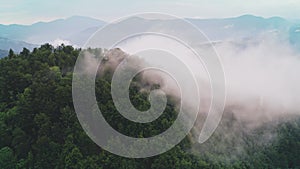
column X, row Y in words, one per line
column 39, row 127
column 7, row 159
column 73, row 160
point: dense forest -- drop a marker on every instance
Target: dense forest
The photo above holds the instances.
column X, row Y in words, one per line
column 39, row 127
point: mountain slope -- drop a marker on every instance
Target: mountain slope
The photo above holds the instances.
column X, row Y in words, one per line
column 241, row 27
column 15, row 45
column 43, row 32
column 78, row 29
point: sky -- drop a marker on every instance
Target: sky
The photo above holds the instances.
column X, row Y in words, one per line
column 31, row 11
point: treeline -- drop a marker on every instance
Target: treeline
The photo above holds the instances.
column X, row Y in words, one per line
column 39, row 127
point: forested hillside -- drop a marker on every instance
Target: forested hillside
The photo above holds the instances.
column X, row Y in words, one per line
column 39, row 127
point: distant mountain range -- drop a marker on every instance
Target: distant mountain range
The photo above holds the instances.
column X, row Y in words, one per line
column 77, row 29
column 241, row 27
column 46, row 32
column 15, row 45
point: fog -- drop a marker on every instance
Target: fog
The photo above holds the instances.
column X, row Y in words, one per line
column 262, row 84
column 262, row 81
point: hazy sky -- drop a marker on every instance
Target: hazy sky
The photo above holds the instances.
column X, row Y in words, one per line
column 29, row 11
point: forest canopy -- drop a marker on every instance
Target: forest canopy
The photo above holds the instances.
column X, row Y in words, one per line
column 39, row 127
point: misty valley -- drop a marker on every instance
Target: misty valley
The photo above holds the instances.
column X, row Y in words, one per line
column 218, row 92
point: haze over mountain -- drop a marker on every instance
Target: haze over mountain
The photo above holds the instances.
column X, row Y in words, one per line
column 77, row 29
column 15, row 45
column 43, row 32
column 241, row 27
column 260, row 123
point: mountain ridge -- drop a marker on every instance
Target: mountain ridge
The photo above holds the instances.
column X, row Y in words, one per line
column 77, row 29
column 15, row 45
column 42, row 32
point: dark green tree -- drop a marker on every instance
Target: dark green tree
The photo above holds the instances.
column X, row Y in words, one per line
column 7, row 158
